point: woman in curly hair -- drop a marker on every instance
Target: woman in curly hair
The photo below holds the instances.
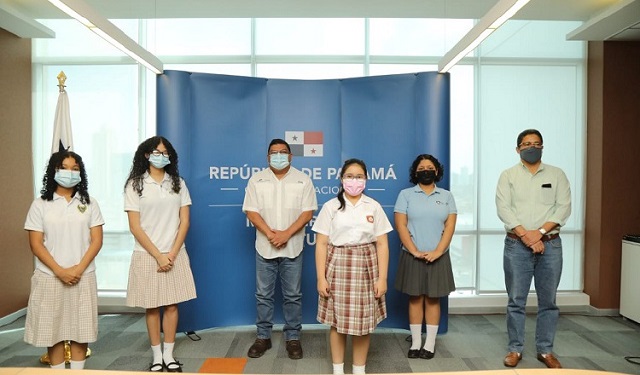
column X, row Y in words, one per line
column 65, row 235
column 157, row 204
column 425, row 217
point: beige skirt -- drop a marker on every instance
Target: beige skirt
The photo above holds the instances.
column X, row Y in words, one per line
column 149, row 288
column 57, row 312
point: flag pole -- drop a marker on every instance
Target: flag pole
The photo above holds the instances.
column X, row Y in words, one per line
column 62, row 135
column 62, row 78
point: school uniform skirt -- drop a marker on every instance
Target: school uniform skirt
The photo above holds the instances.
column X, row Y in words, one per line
column 351, row 307
column 57, row 312
column 149, row 288
column 416, row 277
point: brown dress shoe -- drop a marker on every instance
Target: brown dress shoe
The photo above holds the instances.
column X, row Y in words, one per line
column 549, row 360
column 259, row 347
column 512, row 359
column 294, row 349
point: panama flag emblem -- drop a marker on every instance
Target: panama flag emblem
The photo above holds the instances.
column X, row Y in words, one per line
column 305, row 143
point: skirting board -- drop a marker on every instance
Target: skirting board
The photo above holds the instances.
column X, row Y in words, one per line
column 458, row 304
column 12, row 317
column 497, row 304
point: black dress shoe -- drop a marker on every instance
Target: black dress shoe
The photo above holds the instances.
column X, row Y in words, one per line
column 413, row 353
column 259, row 347
column 425, row 354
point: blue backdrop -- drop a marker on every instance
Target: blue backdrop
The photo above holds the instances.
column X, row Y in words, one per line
column 221, row 127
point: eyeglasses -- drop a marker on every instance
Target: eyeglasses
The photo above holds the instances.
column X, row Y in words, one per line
column 281, row 152
column 357, row 177
column 158, row 153
column 529, row 144
column 63, row 168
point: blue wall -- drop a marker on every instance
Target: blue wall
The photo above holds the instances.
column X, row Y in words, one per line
column 221, row 127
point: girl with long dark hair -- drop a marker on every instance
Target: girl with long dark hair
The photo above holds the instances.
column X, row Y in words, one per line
column 157, row 204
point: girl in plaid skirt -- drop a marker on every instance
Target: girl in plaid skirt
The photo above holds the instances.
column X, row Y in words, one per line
column 352, row 258
column 65, row 235
column 157, row 204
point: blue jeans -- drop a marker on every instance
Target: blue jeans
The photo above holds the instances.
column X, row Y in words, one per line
column 520, row 266
column 290, row 271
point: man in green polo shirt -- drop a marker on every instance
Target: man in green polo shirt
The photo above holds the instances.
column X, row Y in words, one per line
column 533, row 201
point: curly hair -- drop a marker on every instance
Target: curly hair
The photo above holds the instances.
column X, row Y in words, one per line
column 49, row 184
column 413, row 178
column 141, row 164
column 346, row 165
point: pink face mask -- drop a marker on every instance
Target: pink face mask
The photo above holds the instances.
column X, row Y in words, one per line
column 354, row 187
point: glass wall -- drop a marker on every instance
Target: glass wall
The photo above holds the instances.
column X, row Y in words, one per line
column 525, row 75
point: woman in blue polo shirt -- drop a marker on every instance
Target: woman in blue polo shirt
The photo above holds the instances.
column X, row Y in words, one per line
column 425, row 218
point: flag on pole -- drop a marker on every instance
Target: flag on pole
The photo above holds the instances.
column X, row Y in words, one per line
column 62, row 138
column 62, row 141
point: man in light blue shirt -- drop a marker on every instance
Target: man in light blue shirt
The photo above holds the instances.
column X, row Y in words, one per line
column 533, row 201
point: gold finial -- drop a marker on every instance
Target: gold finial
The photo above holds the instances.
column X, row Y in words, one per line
column 61, row 80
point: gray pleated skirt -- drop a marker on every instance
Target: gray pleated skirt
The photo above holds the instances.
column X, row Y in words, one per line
column 149, row 288
column 416, row 277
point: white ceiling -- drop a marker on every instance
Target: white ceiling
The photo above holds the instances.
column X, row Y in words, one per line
column 602, row 19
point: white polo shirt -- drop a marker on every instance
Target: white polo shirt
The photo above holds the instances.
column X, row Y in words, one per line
column 280, row 203
column 66, row 227
column 159, row 208
column 357, row 224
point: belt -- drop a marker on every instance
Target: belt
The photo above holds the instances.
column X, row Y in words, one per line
column 545, row 237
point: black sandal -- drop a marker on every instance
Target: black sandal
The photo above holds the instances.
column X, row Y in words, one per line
column 156, row 367
column 173, row 369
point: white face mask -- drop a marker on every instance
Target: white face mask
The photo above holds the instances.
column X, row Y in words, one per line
column 67, row 178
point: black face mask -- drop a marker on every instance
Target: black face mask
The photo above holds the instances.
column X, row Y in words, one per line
column 426, row 177
column 531, row 155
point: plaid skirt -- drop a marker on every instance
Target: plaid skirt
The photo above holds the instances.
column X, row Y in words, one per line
column 352, row 307
column 416, row 277
column 149, row 288
column 57, row 312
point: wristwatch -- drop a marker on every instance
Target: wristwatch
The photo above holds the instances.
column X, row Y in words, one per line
column 542, row 231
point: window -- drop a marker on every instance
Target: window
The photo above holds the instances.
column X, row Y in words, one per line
column 103, row 102
column 309, row 36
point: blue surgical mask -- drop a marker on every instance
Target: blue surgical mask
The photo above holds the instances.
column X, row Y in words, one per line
column 279, row 161
column 159, row 161
column 67, row 178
